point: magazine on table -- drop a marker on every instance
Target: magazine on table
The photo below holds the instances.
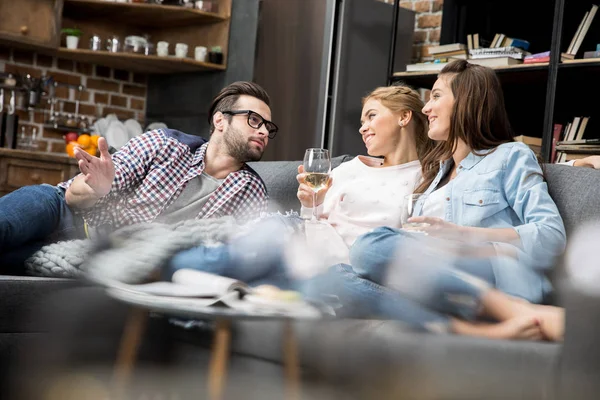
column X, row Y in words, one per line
column 195, row 290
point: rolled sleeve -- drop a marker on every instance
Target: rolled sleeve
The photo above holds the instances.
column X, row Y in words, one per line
column 542, row 231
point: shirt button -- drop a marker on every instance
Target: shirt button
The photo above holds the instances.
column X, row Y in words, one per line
column 460, row 167
column 480, row 201
column 447, row 198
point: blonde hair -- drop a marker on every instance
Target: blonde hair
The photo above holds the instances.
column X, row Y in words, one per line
column 399, row 98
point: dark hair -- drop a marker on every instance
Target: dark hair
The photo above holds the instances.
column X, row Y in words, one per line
column 401, row 97
column 228, row 97
column 478, row 118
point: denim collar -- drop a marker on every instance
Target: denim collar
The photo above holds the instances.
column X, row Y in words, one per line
column 469, row 162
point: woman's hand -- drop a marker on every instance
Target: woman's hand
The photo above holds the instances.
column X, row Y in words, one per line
column 439, row 228
column 590, row 162
column 305, row 193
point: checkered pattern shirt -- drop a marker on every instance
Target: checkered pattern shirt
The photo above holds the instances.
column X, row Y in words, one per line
column 152, row 170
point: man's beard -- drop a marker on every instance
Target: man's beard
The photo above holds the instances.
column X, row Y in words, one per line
column 239, row 147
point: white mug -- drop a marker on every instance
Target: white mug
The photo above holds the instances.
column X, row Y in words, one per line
column 162, row 49
column 181, row 50
column 200, row 53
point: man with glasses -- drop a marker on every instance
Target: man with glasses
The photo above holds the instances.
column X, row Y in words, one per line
column 163, row 175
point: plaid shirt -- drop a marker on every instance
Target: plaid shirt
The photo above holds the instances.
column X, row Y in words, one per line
column 152, row 170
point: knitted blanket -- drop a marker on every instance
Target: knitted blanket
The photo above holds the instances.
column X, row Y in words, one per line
column 129, row 254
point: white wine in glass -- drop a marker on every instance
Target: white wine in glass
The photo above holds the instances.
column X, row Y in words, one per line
column 411, row 203
column 317, row 166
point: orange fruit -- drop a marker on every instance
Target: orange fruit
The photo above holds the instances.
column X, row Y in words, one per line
column 84, row 140
column 94, row 140
column 70, row 148
column 93, row 150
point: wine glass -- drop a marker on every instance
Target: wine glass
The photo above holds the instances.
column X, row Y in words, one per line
column 412, row 202
column 317, row 166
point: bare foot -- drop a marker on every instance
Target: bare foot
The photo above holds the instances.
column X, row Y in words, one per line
column 552, row 321
column 518, row 328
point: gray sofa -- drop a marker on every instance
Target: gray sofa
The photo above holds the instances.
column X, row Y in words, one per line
column 341, row 359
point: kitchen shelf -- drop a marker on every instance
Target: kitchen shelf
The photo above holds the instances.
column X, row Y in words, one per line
column 60, row 128
column 139, row 62
column 139, row 14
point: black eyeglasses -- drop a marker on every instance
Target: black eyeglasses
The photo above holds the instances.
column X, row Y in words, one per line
column 256, row 121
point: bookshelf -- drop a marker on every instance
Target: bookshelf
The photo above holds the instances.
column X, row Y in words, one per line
column 536, row 96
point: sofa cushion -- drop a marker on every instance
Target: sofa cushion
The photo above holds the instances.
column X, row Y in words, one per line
column 20, row 295
column 390, row 357
column 576, row 192
column 280, row 178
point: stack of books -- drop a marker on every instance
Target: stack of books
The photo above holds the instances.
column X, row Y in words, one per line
column 537, row 58
column 499, row 56
column 441, row 55
column 571, row 145
column 502, row 51
column 449, row 51
column 501, row 40
column 582, row 30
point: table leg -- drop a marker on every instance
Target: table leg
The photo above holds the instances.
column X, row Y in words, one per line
column 290, row 361
column 130, row 341
column 219, row 358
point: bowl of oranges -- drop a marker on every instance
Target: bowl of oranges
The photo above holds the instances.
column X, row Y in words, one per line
column 87, row 142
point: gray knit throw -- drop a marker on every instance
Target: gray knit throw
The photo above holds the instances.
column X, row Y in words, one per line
column 130, row 254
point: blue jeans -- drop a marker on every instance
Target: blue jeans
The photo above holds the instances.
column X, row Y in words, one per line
column 442, row 281
column 32, row 216
column 258, row 258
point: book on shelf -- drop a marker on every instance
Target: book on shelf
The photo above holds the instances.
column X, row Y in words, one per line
column 501, row 40
column 545, row 54
column 448, row 54
column 426, row 67
column 534, row 143
column 509, row 51
column 202, row 291
column 556, row 136
column 582, row 30
column 496, row 61
column 578, row 142
column 578, row 148
column 473, row 41
column 476, row 40
column 573, row 126
column 518, row 43
column 582, row 126
column 576, row 129
column 446, row 48
column 539, row 60
column 592, row 54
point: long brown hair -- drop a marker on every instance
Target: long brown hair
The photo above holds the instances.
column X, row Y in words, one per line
column 399, row 98
column 479, row 116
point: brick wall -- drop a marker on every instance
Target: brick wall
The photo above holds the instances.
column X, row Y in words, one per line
column 107, row 91
column 428, row 24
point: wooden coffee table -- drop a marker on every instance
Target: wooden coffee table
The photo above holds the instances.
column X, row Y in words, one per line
column 143, row 304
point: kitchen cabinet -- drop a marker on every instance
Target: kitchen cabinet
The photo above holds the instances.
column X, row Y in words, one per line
column 31, row 23
column 21, row 168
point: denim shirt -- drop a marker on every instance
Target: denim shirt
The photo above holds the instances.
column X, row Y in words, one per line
column 505, row 188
